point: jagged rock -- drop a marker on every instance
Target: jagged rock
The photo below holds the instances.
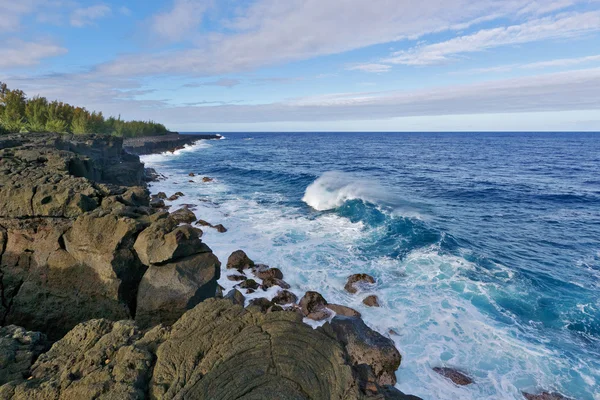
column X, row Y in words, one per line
column 270, row 282
column 184, row 216
column 236, row 297
column 313, row 306
column 18, row 350
column 454, row 375
column 157, row 203
column 220, row 228
column 218, row 350
column 191, row 174
column 97, row 359
column 202, row 222
column 262, row 271
column 371, row 301
column 168, row 290
column 237, row 278
column 343, row 310
column 365, row 346
column 545, row 396
column 161, row 195
column 239, row 260
column 207, row 179
column 356, row 281
column 264, row 305
column 285, row 297
column 164, row 241
column 249, row 284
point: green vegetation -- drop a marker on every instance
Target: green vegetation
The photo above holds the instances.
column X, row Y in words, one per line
column 20, row 114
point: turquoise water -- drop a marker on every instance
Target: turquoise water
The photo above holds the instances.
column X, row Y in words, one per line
column 485, row 247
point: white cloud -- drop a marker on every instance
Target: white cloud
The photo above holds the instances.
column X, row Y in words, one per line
column 556, row 63
column 181, row 20
column 223, row 82
column 17, row 53
column 86, row 16
column 125, row 11
column 372, row 68
column 557, row 27
column 271, row 32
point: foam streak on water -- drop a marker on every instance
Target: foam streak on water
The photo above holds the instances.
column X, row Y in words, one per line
column 496, row 277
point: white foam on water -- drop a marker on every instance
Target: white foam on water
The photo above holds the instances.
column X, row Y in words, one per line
column 426, row 297
column 163, row 157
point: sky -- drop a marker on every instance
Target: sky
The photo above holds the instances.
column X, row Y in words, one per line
column 313, row 65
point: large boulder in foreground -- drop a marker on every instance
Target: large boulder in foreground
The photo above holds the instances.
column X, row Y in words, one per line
column 167, row 291
column 366, row 346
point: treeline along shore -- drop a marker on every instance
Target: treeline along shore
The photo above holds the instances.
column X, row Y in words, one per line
column 108, row 294
column 21, row 114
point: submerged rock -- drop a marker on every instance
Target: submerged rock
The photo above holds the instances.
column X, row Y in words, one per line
column 371, row 301
column 207, row 179
column 454, row 375
column 356, row 281
column 545, row 396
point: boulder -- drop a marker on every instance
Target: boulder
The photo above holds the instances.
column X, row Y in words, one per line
column 270, row 282
column 356, row 281
column 366, row 346
column 343, row 310
column 161, row 195
column 239, row 260
column 202, row 222
column 264, row 305
column 236, row 297
column 220, row 228
column 157, row 203
column 262, row 271
column 545, row 396
column 207, row 179
column 313, row 306
column 249, row 284
column 285, row 297
column 371, row 301
column 168, row 290
column 184, row 216
column 164, row 241
column 18, row 351
column 191, row 174
column 454, row 375
column 237, row 278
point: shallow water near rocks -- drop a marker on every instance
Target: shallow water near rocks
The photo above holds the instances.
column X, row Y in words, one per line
column 485, row 246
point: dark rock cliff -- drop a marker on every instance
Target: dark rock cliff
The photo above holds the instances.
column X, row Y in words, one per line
column 125, row 292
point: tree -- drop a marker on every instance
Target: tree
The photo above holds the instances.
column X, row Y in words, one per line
column 36, row 114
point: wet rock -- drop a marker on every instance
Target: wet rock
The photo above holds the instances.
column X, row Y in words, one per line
column 264, row 305
column 207, row 179
column 161, row 195
column 285, row 297
column 356, row 281
column 454, row 375
column 365, row 346
column 168, row 290
column 236, row 297
column 18, row 350
column 173, row 198
column 239, row 260
column 220, row 228
column 545, row 396
column 249, row 284
column 270, row 282
column 157, row 203
column 202, row 222
column 371, row 301
column 262, row 271
column 313, row 306
column 343, row 310
column 191, row 174
column 237, row 278
column 184, row 216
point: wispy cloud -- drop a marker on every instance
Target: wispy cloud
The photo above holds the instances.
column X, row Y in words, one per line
column 183, row 18
column 556, row 27
column 17, row 53
column 81, row 17
column 556, row 63
column 372, row 68
column 223, row 82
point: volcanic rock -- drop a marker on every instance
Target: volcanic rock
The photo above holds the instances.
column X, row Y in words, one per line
column 357, row 280
column 454, row 375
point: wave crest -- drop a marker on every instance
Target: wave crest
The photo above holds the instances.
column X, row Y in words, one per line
column 334, row 188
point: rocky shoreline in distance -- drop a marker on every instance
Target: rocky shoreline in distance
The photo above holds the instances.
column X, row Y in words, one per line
column 104, row 296
column 160, row 144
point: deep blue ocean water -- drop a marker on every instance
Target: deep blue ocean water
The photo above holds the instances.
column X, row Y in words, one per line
column 485, row 246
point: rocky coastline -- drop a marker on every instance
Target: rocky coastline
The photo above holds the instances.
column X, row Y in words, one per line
column 106, row 295
column 160, row 144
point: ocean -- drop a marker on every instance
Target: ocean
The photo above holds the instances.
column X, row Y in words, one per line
column 485, row 246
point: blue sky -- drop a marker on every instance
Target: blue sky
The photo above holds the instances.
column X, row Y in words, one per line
column 272, row 65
